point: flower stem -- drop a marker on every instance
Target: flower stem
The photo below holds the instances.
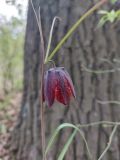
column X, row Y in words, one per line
column 50, row 37
column 42, row 109
column 42, row 52
column 74, row 27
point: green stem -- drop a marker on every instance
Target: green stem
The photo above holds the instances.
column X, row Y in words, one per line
column 75, row 26
column 50, row 37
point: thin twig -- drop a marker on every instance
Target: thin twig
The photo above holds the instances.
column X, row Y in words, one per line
column 87, row 147
column 97, row 71
column 116, row 60
column 109, row 143
column 107, row 60
column 109, row 102
column 105, row 123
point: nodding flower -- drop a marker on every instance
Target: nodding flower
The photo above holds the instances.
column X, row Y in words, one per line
column 57, row 86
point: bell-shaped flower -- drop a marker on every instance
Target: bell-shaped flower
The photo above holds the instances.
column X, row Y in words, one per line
column 58, row 86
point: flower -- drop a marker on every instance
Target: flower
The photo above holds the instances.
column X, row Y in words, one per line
column 58, row 85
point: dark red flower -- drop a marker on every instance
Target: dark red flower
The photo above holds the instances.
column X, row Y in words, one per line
column 58, row 85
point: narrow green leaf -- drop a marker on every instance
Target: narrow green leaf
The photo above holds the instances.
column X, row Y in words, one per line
column 56, row 132
column 73, row 28
column 66, row 146
column 66, row 125
column 102, row 21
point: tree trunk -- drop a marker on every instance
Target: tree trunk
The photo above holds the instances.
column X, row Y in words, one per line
column 90, row 47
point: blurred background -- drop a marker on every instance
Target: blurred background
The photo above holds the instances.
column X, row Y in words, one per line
column 92, row 58
column 12, row 31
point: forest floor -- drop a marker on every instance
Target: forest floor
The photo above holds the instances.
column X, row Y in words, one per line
column 8, row 115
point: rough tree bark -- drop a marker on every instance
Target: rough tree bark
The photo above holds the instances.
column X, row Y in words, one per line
column 88, row 46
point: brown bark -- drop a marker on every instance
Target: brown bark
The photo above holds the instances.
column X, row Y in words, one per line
column 85, row 47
